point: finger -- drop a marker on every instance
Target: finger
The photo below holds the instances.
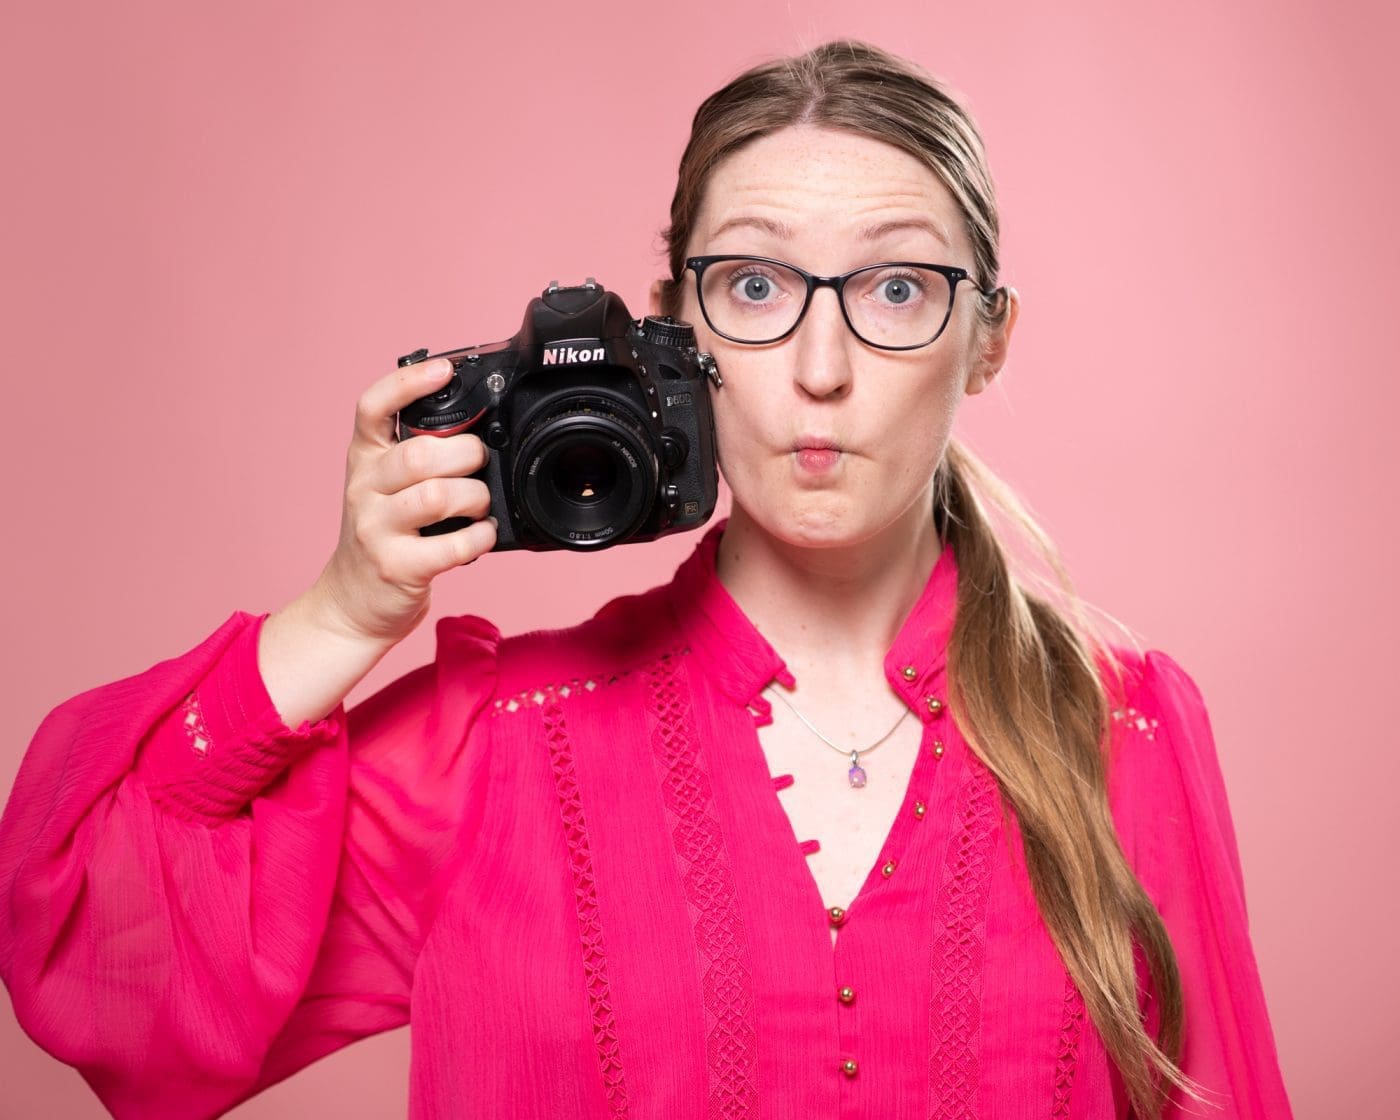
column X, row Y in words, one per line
column 422, row 457
column 377, row 410
column 430, row 501
column 423, row 558
column 475, row 540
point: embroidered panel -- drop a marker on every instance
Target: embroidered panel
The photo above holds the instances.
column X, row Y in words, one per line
column 1067, row 1052
column 731, row 1043
column 558, row 691
column 1131, row 717
column 551, row 693
column 595, row 961
column 193, row 723
column 955, row 1014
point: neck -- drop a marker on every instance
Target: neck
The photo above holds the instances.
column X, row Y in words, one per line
column 829, row 611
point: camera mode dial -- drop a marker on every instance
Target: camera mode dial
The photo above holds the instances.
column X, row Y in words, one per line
column 666, row 331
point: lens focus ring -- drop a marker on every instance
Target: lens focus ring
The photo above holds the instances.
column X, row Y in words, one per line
column 586, row 474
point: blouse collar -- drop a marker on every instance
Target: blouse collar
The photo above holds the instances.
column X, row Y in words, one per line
column 742, row 662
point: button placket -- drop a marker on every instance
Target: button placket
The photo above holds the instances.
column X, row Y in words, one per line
column 936, row 709
column 930, row 708
column 845, row 998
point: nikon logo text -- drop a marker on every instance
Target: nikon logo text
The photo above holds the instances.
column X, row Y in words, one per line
column 567, row 355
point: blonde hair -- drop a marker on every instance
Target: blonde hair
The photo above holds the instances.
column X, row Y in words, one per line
column 1024, row 670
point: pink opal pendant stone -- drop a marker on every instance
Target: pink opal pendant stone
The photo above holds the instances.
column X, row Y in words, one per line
column 857, row 776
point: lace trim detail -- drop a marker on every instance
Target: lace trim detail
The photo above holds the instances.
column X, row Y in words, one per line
column 956, row 1011
column 560, row 691
column 1067, row 1052
column 731, row 1044
column 1131, row 717
column 586, row 897
column 224, row 783
column 551, row 693
column 193, row 721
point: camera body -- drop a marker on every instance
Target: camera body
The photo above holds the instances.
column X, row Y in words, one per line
column 599, row 425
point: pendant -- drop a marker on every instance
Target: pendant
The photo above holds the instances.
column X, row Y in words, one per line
column 856, row 773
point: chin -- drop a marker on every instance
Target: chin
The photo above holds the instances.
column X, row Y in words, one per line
column 823, row 525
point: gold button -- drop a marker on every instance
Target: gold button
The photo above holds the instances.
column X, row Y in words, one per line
column 910, row 672
column 919, row 809
column 938, row 748
column 888, row 869
column 846, row 994
column 848, row 1067
column 837, row 915
column 935, row 705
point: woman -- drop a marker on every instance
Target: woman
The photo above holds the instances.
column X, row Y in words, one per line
column 597, row 867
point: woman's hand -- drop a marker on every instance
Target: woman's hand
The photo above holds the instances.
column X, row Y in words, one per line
column 377, row 584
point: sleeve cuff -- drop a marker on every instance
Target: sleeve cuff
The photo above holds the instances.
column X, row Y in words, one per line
column 225, row 741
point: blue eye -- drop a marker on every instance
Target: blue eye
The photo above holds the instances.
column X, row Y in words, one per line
column 897, row 290
column 900, row 289
column 757, row 287
column 752, row 287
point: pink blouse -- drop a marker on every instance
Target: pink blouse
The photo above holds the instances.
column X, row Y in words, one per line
column 563, row 857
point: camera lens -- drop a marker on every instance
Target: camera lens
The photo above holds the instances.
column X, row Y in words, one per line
column 587, row 473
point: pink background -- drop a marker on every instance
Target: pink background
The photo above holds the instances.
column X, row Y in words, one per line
column 220, row 226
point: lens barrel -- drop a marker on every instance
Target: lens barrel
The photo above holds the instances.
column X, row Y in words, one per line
column 586, row 473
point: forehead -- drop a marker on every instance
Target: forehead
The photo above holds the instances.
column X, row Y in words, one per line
column 821, row 191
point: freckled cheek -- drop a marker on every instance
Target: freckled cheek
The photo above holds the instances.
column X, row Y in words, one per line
column 918, row 434
column 740, row 440
column 745, row 417
column 937, row 402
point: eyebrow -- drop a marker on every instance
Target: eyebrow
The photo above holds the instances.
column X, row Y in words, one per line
column 784, row 232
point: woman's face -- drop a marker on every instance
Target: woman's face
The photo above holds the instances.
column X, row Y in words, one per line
column 806, row 195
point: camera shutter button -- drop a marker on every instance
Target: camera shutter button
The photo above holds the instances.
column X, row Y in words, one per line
column 453, row 385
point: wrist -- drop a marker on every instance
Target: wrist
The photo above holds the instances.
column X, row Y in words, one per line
column 320, row 610
column 310, row 659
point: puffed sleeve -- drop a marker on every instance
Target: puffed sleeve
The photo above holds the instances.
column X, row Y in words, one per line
column 194, row 894
column 1171, row 806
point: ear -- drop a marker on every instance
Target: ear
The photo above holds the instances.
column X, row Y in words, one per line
column 995, row 347
column 654, row 299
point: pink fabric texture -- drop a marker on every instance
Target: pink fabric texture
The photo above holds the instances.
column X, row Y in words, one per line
column 562, row 856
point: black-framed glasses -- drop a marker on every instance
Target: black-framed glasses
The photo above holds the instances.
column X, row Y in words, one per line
column 895, row 305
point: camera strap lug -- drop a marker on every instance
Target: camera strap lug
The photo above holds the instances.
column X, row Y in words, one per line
column 709, row 369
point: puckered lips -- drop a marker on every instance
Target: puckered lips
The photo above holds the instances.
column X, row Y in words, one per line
column 816, row 454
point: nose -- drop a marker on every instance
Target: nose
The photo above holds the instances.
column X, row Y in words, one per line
column 823, row 350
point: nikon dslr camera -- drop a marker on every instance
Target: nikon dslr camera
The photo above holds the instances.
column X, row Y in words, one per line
column 599, row 425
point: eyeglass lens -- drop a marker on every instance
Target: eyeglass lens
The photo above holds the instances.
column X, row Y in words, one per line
column 892, row 305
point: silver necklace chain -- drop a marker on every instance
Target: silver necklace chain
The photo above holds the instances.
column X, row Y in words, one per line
column 854, row 754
